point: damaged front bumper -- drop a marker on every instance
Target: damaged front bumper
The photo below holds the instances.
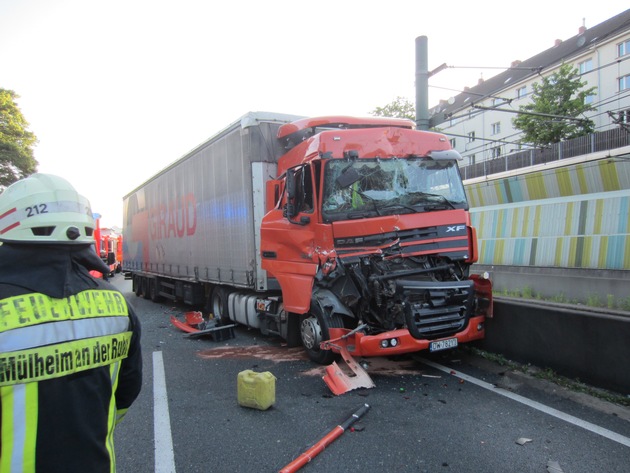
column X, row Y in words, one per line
column 398, row 342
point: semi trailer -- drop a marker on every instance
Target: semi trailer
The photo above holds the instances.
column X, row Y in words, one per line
column 339, row 233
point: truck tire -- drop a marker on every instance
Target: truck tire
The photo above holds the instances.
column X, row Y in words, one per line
column 219, row 304
column 314, row 330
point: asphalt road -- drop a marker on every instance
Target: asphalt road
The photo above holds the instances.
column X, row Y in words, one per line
column 442, row 415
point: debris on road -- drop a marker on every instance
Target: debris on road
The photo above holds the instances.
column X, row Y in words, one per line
column 339, row 382
column 553, row 467
column 196, row 326
column 523, row 441
column 256, row 390
column 330, row 437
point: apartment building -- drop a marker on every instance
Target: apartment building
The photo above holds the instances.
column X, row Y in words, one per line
column 478, row 121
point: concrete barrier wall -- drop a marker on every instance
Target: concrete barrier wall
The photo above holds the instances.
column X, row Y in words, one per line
column 592, row 346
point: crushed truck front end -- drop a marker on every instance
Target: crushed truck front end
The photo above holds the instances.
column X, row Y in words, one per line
column 374, row 219
column 409, row 287
column 412, row 290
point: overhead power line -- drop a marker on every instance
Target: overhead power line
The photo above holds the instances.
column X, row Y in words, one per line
column 536, row 114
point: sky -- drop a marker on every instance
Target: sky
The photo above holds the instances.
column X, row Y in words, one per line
column 117, row 90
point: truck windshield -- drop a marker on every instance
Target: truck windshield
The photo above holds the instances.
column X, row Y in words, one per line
column 371, row 187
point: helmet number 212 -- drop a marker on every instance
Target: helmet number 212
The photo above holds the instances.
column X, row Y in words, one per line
column 36, row 210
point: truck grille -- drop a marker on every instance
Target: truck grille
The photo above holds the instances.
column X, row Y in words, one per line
column 443, row 240
column 435, row 309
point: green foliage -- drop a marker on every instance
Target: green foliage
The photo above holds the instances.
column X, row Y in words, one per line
column 547, row 374
column 624, row 304
column 591, row 300
column 16, row 142
column 399, row 108
column 560, row 298
column 559, row 94
column 594, row 300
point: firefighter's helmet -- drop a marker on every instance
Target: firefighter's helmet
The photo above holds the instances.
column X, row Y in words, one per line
column 44, row 208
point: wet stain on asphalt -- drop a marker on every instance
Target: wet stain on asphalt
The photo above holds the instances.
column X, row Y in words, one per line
column 278, row 354
column 270, row 353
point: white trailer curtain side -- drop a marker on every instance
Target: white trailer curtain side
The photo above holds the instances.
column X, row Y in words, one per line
column 199, row 218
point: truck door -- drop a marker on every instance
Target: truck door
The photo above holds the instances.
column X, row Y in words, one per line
column 287, row 235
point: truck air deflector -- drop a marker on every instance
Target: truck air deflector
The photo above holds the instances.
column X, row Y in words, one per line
column 343, row 122
column 435, row 309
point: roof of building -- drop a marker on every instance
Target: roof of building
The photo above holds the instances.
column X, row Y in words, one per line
column 563, row 50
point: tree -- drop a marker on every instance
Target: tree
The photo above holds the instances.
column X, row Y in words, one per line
column 559, row 95
column 399, row 108
column 16, row 142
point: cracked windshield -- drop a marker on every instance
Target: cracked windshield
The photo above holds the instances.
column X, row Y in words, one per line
column 390, row 186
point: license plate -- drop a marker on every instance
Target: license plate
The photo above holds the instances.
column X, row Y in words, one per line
column 443, row 344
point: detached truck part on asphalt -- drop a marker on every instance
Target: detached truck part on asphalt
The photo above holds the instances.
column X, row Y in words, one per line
column 353, row 230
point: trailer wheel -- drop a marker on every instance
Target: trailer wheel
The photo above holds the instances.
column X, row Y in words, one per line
column 137, row 285
column 146, row 284
column 314, row 330
column 219, row 303
column 154, row 295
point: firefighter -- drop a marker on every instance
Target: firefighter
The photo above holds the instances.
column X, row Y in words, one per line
column 70, row 360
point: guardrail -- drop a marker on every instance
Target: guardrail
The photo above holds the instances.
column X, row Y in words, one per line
column 591, row 345
column 600, row 141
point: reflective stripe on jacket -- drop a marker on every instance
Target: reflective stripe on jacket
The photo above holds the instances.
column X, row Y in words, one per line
column 60, row 365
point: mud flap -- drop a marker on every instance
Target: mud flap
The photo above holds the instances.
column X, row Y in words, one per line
column 339, row 381
column 195, row 327
column 184, row 327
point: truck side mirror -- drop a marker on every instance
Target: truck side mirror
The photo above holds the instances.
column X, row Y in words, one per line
column 291, row 209
column 290, row 184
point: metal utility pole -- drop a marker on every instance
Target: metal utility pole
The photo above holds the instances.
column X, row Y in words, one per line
column 422, row 84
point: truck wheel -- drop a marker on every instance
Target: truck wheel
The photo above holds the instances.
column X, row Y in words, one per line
column 219, row 304
column 314, row 330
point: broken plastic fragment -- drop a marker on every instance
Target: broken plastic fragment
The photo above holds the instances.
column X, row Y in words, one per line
column 523, row 441
column 553, row 467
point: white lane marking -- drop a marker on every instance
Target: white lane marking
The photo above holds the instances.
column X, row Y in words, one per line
column 164, row 457
column 609, row 434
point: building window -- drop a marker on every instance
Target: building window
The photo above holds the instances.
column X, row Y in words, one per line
column 585, row 66
column 521, row 92
column 495, row 152
column 624, row 83
column 471, row 136
column 623, row 48
column 452, row 141
column 624, row 117
column 589, row 99
column 496, row 128
column 472, row 160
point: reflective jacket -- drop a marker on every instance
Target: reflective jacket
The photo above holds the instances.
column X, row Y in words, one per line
column 70, row 361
